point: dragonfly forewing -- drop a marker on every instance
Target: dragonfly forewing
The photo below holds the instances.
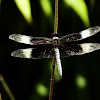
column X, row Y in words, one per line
column 30, row 40
column 81, row 35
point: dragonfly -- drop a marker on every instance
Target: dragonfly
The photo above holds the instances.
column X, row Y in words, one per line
column 55, row 46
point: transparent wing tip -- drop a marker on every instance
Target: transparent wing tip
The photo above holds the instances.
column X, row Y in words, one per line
column 89, row 32
column 22, row 53
column 95, row 29
column 11, row 36
column 90, row 47
column 15, row 37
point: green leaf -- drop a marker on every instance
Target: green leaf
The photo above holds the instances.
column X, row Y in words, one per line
column 80, row 8
column 81, row 81
column 46, row 6
column 25, row 8
column 41, row 89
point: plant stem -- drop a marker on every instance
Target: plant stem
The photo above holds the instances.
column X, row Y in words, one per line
column 56, row 17
column 0, row 97
column 54, row 58
column 52, row 80
column 7, row 89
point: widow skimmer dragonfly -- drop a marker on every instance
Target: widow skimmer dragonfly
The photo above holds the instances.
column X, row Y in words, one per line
column 56, row 46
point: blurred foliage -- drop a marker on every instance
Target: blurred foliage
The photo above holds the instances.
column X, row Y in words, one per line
column 30, row 79
column 25, row 8
column 42, row 90
column 0, row 1
column 46, row 6
column 80, row 8
column 80, row 81
column 6, row 87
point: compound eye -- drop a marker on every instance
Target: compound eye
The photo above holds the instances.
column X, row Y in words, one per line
column 54, row 35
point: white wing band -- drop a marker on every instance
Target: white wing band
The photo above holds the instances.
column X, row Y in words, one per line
column 58, row 61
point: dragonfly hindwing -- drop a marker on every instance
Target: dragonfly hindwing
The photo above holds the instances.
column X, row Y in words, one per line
column 78, row 49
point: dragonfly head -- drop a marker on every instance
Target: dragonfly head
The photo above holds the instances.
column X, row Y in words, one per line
column 54, row 35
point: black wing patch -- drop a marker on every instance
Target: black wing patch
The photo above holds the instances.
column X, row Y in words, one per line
column 78, row 49
column 81, row 35
column 30, row 40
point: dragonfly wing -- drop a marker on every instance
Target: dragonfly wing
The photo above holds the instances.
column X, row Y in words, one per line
column 30, row 40
column 79, row 49
column 81, row 35
column 34, row 53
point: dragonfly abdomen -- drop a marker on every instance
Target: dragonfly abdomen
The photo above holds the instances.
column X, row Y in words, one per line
column 57, row 53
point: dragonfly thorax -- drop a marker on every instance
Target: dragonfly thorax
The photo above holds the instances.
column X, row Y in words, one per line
column 55, row 43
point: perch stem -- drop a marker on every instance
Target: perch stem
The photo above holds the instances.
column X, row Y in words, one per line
column 56, row 17
column 7, row 89
column 52, row 80
column 54, row 58
column 0, row 97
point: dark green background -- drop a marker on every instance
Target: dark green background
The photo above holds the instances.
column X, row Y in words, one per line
column 22, row 75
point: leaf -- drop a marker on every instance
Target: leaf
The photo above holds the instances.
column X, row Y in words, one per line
column 25, row 8
column 46, row 6
column 80, row 8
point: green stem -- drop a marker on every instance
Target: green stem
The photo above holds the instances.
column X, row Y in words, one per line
column 56, row 17
column 54, row 58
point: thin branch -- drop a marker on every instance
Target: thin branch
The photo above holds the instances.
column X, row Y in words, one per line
column 0, row 97
column 56, row 17
column 7, row 89
column 54, row 58
column 52, row 80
